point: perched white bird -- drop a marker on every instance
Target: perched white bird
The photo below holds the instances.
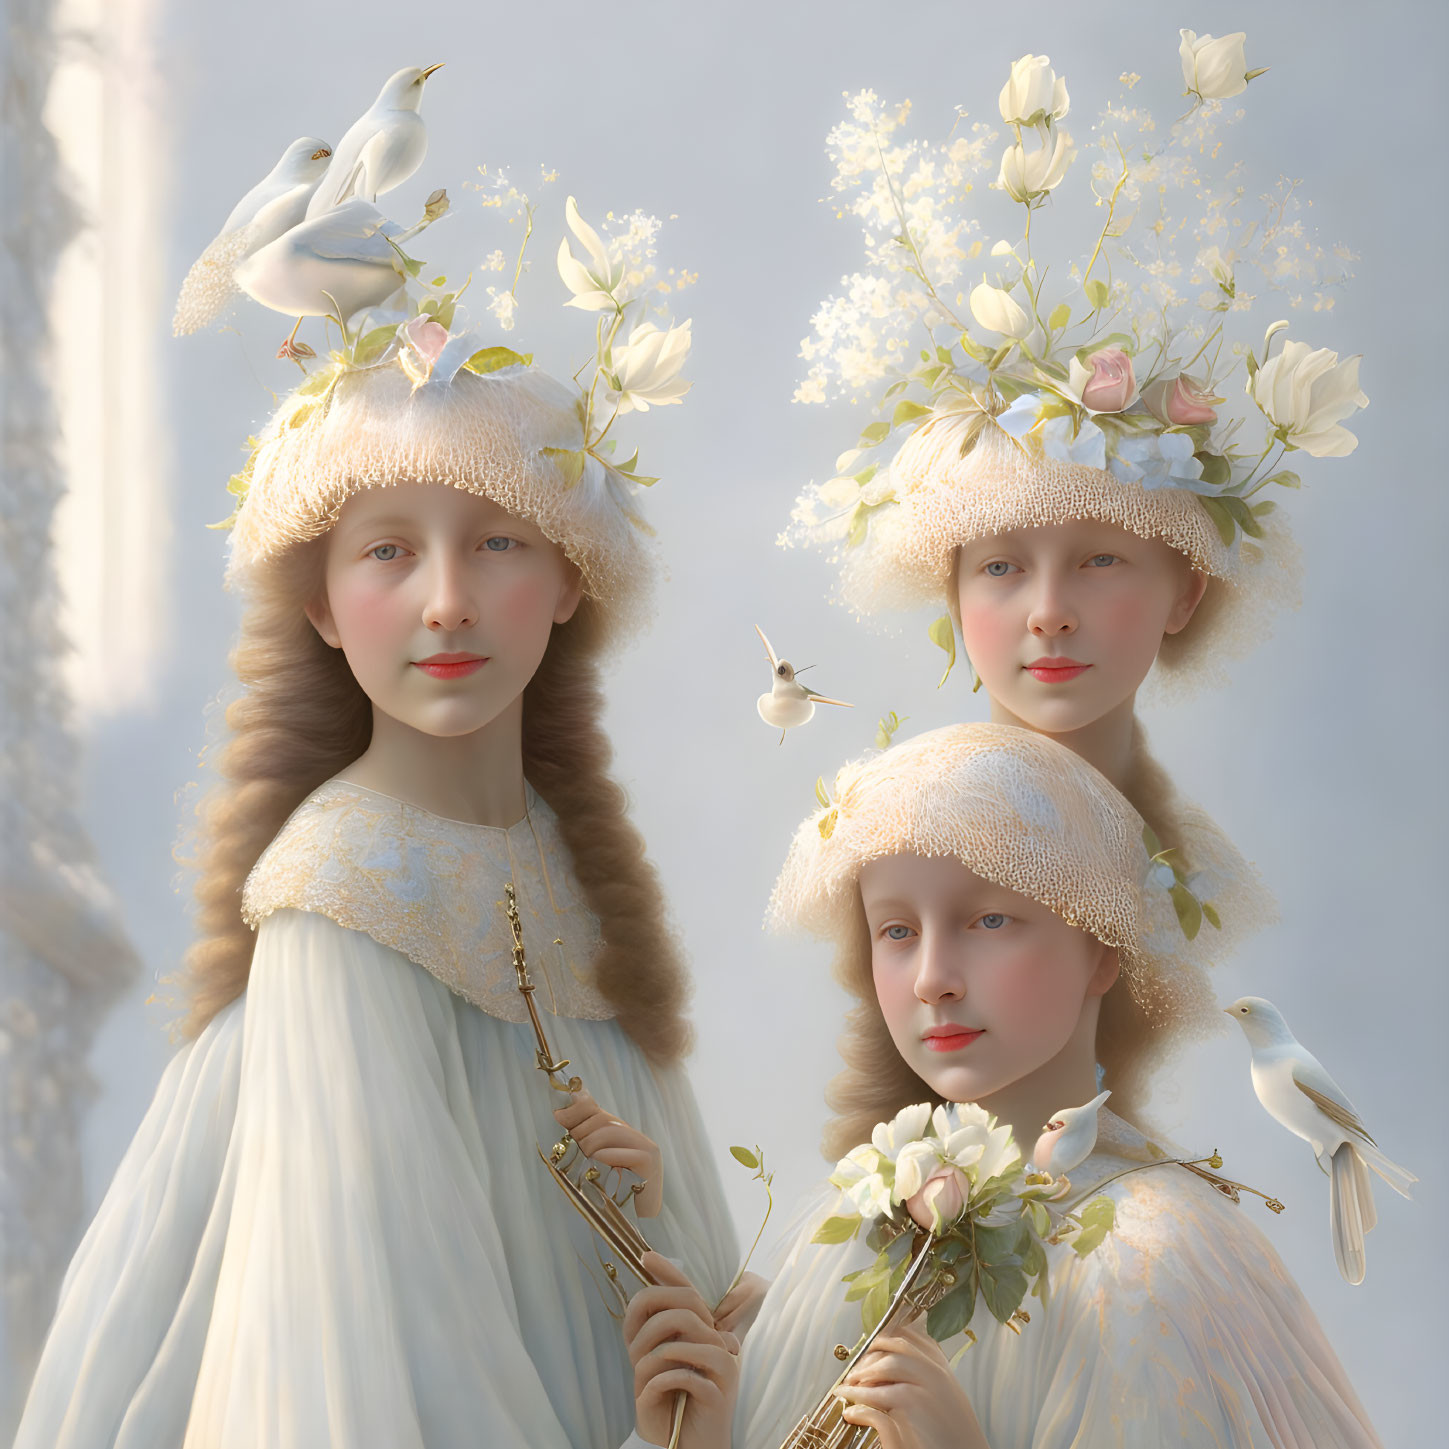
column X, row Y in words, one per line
column 333, row 265
column 274, row 205
column 1292, row 1084
column 789, row 703
column 1068, row 1139
column 382, row 148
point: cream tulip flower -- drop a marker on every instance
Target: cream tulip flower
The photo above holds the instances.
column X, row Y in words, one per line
column 1034, row 94
column 1026, row 175
column 1307, row 394
column 593, row 280
column 1215, row 69
column 645, row 370
column 999, row 311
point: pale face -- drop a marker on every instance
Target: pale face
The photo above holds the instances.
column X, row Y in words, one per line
column 442, row 602
column 982, row 989
column 1063, row 622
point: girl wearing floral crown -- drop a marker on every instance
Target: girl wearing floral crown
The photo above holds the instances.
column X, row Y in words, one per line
column 982, row 886
column 1066, row 479
column 333, row 1226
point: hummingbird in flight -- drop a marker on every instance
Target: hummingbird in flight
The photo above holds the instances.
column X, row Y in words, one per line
column 789, row 703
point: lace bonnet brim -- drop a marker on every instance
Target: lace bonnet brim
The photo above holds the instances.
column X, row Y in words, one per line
column 946, row 498
column 513, row 436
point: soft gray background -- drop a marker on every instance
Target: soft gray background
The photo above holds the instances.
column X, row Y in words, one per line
column 1325, row 758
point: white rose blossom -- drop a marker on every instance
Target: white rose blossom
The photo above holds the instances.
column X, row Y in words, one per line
column 1307, row 394
column 998, row 311
column 1025, row 175
column 1215, row 69
column 908, row 1125
column 645, row 370
column 1033, row 94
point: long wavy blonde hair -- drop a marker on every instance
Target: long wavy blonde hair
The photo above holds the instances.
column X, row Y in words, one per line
column 301, row 717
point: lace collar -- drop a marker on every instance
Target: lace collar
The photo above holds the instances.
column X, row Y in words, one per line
column 432, row 888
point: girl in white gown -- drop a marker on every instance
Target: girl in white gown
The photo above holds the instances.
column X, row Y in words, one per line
column 982, row 884
column 332, row 1227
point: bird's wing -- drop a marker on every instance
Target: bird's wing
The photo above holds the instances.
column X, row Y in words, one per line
column 774, row 662
column 1336, row 1109
column 821, row 699
column 355, row 231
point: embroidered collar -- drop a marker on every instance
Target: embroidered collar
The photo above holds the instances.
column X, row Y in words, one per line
column 432, row 888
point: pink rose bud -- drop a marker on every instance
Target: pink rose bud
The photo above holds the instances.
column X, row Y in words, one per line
column 426, row 336
column 1111, row 387
column 941, row 1200
column 1180, row 402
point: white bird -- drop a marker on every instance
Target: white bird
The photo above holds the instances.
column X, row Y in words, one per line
column 382, row 148
column 333, row 265
column 1068, row 1139
column 274, row 205
column 1292, row 1084
column 789, row 703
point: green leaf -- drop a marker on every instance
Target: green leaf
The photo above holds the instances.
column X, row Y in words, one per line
column 943, row 356
column 998, row 1245
column 1003, row 1286
column 873, row 1309
column 864, row 1279
column 1263, row 509
column 900, row 385
column 1061, row 316
column 1097, row 292
column 953, row 1313
column 569, row 462
column 1241, row 515
column 493, row 359
column 1222, row 519
column 820, row 793
column 1285, row 478
column 837, row 1229
column 1150, row 840
column 1216, row 470
column 438, row 282
column 942, row 634
column 1189, row 912
column 866, row 474
column 1210, row 914
column 875, row 433
column 907, row 411
column 1041, row 1219
column 1097, row 1219
column 744, row 1155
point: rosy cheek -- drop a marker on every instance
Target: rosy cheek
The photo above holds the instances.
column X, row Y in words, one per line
column 363, row 612
column 990, row 633
column 895, row 991
column 1128, row 623
column 1028, row 994
column 523, row 603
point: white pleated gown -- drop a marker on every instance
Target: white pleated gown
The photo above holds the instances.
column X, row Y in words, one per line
column 1182, row 1328
column 332, row 1228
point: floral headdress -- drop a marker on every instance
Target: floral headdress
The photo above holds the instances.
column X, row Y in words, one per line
column 1096, row 389
column 1016, row 808
column 410, row 395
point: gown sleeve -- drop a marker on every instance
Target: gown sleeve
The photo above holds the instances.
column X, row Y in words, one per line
column 1182, row 1328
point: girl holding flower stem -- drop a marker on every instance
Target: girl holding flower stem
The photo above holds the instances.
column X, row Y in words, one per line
column 981, row 886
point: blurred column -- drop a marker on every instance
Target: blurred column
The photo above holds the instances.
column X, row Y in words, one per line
column 63, row 955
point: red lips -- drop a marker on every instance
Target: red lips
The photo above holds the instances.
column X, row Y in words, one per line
column 450, row 666
column 1055, row 668
column 950, row 1037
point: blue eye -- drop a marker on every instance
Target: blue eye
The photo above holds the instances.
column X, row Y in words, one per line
column 905, row 933
column 500, row 544
column 385, row 552
column 993, row 920
column 998, row 568
column 1103, row 560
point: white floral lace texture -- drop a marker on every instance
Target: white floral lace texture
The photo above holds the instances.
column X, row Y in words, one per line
column 432, row 888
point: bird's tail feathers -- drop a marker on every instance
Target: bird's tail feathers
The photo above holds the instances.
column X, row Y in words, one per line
column 1344, row 1216
column 1398, row 1178
column 1368, row 1213
column 210, row 285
